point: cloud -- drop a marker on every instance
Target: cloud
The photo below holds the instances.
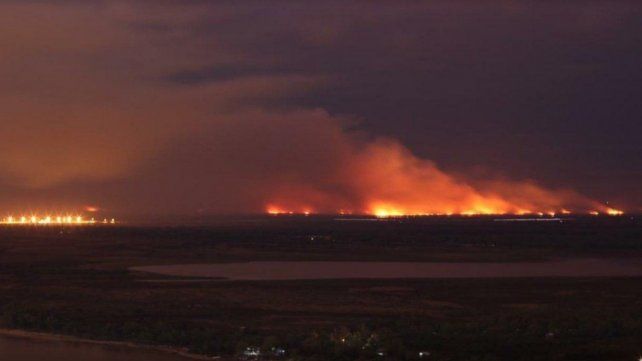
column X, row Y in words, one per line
column 80, row 101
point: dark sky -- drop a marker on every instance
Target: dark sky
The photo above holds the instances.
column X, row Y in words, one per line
column 161, row 107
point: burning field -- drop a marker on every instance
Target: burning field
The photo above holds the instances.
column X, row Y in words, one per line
column 383, row 178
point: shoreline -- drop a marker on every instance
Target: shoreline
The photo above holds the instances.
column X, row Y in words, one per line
column 52, row 337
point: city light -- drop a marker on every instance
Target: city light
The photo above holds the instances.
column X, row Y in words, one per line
column 52, row 220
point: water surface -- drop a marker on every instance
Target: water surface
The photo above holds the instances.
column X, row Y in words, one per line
column 338, row 270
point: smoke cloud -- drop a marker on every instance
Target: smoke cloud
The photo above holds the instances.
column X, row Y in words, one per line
column 167, row 107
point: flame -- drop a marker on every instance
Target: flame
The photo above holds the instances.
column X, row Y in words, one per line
column 386, row 211
column 614, row 212
column 276, row 210
column 45, row 220
column 384, row 179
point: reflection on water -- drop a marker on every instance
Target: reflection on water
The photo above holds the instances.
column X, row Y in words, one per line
column 18, row 349
column 336, row 270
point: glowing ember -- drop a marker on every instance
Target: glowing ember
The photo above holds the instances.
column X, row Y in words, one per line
column 37, row 220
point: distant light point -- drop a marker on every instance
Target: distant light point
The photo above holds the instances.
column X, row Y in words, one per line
column 48, row 220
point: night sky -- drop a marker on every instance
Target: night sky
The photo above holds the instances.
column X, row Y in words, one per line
column 192, row 107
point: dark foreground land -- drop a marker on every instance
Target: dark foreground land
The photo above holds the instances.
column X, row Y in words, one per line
column 76, row 281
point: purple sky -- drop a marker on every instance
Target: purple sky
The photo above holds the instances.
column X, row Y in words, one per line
column 161, row 107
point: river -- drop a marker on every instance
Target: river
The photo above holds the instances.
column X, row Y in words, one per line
column 274, row 271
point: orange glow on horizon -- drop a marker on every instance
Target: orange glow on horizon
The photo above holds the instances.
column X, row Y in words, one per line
column 276, row 210
column 382, row 210
column 385, row 179
column 614, row 212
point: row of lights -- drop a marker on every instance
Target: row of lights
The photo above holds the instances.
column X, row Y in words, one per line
column 49, row 220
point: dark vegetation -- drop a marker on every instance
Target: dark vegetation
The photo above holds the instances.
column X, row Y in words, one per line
column 75, row 281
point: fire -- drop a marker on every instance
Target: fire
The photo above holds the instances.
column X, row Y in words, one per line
column 384, row 212
column 607, row 211
column 276, row 210
column 48, row 220
column 384, row 179
column 273, row 210
column 614, row 212
column 390, row 212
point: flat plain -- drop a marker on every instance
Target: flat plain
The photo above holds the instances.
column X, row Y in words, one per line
column 77, row 281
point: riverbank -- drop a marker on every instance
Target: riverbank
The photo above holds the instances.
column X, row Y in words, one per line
column 48, row 337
